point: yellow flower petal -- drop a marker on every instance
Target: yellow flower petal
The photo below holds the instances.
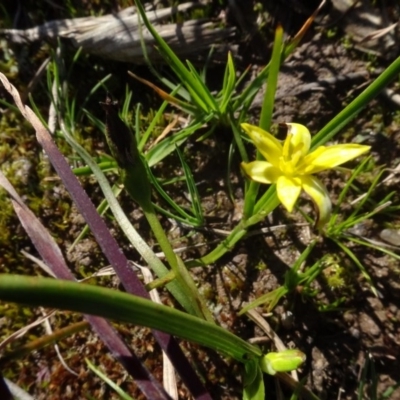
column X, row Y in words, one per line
column 300, row 138
column 288, row 190
column 329, row 157
column 268, row 145
column 318, row 193
column 261, row 171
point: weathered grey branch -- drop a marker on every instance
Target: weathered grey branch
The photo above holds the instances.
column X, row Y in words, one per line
column 119, row 36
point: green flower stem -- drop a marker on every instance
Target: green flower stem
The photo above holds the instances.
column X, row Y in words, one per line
column 266, row 115
column 161, row 282
column 158, row 232
column 268, row 202
column 120, row 306
column 225, row 246
column 137, row 184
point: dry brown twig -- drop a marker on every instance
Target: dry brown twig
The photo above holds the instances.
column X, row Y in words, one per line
column 121, row 36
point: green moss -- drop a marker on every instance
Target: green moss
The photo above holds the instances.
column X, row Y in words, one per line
column 339, row 277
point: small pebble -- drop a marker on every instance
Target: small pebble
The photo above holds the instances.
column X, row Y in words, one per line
column 391, row 236
column 287, row 320
column 355, row 333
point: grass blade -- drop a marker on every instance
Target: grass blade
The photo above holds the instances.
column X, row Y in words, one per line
column 120, row 306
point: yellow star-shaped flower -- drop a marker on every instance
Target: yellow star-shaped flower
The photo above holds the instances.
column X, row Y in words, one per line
column 291, row 166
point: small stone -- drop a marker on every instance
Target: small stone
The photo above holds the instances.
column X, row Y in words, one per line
column 355, row 333
column 368, row 325
column 391, row 236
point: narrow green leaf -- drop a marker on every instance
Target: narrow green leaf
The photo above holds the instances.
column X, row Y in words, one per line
column 254, row 390
column 191, row 83
column 356, row 261
column 119, row 306
column 245, row 99
column 266, row 114
column 122, row 394
column 361, row 101
column 182, row 215
column 168, row 144
column 192, row 188
column 37, row 111
column 202, row 88
column 272, row 81
column 229, row 84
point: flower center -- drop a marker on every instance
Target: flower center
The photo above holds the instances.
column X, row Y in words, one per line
column 291, row 155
